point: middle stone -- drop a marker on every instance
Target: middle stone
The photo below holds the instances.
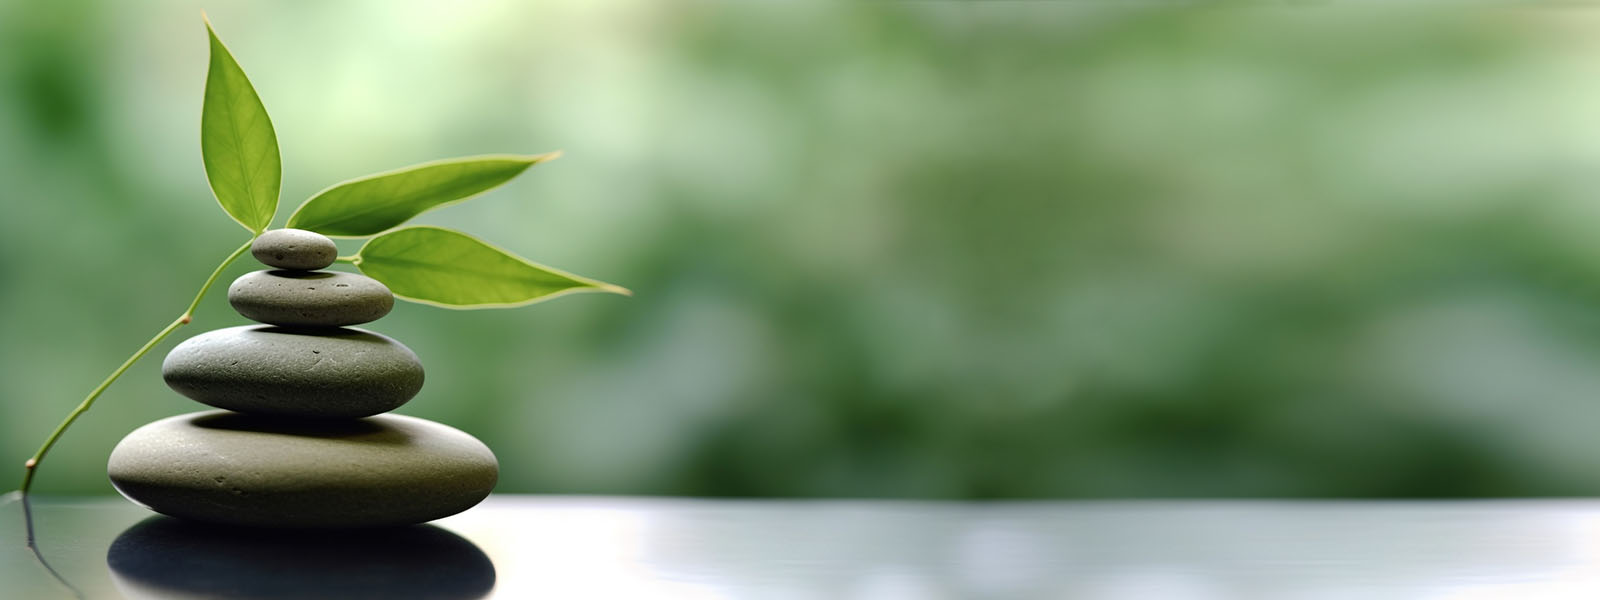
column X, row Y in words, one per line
column 310, row 298
column 327, row 373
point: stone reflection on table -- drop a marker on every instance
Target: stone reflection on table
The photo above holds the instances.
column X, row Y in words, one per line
column 162, row 557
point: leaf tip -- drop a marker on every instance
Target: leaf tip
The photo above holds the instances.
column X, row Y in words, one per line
column 534, row 159
column 614, row 289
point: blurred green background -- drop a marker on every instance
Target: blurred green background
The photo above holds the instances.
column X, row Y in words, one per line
column 889, row 249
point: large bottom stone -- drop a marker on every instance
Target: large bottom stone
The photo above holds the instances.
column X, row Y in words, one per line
column 225, row 467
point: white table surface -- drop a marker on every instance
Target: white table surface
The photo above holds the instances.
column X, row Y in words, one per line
column 607, row 547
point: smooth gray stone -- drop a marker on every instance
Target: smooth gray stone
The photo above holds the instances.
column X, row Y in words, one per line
column 325, row 373
column 239, row 469
column 296, row 249
column 310, row 298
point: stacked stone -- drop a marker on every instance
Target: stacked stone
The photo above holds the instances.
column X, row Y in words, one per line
column 302, row 441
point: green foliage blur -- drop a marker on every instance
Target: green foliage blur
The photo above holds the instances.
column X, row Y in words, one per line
column 886, row 249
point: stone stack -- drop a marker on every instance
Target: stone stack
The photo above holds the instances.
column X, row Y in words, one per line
column 302, row 441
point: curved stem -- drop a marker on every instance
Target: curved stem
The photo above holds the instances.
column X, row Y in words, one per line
column 188, row 315
column 352, row 259
column 213, row 278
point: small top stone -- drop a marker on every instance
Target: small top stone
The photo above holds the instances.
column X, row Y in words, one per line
column 295, row 249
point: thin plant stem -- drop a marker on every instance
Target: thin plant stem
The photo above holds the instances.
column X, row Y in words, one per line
column 352, row 259
column 188, row 315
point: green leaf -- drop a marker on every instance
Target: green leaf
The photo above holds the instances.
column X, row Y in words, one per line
column 238, row 144
column 375, row 203
column 447, row 268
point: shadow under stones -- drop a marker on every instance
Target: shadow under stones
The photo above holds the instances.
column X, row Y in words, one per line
column 348, row 334
column 163, row 557
column 364, row 430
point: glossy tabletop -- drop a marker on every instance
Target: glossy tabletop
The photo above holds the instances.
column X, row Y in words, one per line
column 598, row 547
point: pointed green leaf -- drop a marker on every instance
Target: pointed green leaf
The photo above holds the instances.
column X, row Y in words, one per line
column 375, row 203
column 238, row 144
column 442, row 267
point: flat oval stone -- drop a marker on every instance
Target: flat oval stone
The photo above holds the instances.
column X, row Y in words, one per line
column 238, row 469
column 310, row 298
column 325, row 373
column 296, row 249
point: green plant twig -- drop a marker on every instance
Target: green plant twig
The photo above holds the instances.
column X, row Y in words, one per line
column 188, row 315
